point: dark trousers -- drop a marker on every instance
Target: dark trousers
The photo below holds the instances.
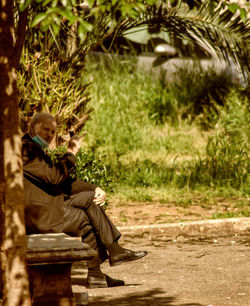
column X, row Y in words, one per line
column 85, row 219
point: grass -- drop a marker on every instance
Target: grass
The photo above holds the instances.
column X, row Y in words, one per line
column 123, row 217
column 205, row 197
column 242, row 213
column 182, row 144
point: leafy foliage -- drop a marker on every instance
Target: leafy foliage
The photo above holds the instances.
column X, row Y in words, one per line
column 222, row 27
column 216, row 28
column 158, row 158
column 91, row 167
column 52, row 15
column 44, row 87
column 226, row 163
column 118, row 105
column 200, row 92
column 94, row 168
column 161, row 102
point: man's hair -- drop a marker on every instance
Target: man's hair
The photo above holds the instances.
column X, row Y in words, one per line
column 37, row 118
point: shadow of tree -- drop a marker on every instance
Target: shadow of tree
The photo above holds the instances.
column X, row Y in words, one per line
column 149, row 297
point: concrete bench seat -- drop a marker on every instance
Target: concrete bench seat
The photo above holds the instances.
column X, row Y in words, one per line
column 49, row 260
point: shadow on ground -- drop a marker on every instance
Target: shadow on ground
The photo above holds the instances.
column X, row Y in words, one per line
column 83, row 282
column 149, row 297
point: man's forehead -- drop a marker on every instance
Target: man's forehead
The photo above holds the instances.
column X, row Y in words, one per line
column 48, row 122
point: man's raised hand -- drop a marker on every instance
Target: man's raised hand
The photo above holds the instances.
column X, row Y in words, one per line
column 74, row 144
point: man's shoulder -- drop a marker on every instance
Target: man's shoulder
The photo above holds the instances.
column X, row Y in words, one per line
column 30, row 149
column 28, row 143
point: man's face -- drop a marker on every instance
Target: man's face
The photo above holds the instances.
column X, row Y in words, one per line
column 46, row 129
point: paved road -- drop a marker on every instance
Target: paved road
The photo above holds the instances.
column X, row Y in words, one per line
column 177, row 273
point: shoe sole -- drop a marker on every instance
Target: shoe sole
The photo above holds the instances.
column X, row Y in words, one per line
column 94, row 286
column 117, row 263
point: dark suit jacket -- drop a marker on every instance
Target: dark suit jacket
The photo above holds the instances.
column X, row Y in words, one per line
column 45, row 186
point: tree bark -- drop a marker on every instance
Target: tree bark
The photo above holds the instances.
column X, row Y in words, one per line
column 14, row 280
column 20, row 35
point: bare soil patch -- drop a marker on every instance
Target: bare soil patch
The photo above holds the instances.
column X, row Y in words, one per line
column 145, row 213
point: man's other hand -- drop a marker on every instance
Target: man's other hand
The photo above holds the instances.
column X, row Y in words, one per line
column 100, row 196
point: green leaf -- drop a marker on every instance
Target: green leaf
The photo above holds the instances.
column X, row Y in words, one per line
column 24, row 4
column 54, row 3
column 141, row 6
column 55, row 29
column 91, row 2
column 38, row 19
column 66, row 13
column 243, row 15
column 45, row 2
column 46, row 23
column 151, row 2
column 81, row 31
column 83, row 28
column 233, row 7
column 88, row 26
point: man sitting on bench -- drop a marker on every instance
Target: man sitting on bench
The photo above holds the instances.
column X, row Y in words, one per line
column 55, row 202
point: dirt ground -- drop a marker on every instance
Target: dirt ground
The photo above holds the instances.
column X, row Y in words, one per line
column 141, row 213
column 182, row 272
column 176, row 272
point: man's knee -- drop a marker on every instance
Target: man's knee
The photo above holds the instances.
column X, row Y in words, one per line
column 81, row 200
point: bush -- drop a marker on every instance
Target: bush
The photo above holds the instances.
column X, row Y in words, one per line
column 93, row 168
column 226, row 161
column 194, row 94
column 146, row 173
column 226, row 164
column 161, row 103
column 90, row 166
column 201, row 90
column 44, row 87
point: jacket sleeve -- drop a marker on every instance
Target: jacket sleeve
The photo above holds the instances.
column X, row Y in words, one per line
column 73, row 186
column 79, row 186
column 37, row 164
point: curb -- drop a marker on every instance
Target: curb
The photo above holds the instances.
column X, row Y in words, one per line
column 206, row 228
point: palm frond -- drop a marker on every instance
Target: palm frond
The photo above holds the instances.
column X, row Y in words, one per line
column 218, row 29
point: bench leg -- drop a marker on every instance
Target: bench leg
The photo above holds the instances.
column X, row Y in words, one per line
column 50, row 285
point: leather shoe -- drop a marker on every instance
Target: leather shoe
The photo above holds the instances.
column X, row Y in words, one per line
column 103, row 282
column 125, row 256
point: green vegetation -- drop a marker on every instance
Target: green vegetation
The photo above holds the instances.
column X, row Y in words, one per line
column 179, row 159
column 194, row 91
column 147, row 139
column 182, row 143
column 43, row 86
column 243, row 213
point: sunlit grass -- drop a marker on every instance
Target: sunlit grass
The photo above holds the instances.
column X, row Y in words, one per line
column 173, row 162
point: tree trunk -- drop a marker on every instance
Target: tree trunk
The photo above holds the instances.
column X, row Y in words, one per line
column 20, row 35
column 14, row 280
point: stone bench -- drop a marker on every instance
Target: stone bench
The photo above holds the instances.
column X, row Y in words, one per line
column 49, row 261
